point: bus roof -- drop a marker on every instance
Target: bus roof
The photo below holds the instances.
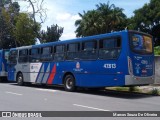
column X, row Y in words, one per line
column 94, row 37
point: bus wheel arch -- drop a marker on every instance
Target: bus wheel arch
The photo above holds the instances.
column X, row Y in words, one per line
column 19, row 79
column 69, row 82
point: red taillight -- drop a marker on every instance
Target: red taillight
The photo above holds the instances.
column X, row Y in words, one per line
column 137, row 78
column 144, row 71
column 130, row 68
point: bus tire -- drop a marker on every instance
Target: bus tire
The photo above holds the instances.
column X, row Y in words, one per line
column 20, row 81
column 69, row 83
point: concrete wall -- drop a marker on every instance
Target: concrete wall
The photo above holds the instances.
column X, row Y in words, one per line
column 157, row 69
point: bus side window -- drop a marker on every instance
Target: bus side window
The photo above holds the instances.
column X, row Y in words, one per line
column 13, row 57
column 73, row 51
column 23, row 56
column 34, row 55
column 89, row 50
column 46, row 54
column 109, row 48
column 59, row 53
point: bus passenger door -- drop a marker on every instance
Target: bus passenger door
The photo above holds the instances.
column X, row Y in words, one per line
column 12, row 64
column 11, row 72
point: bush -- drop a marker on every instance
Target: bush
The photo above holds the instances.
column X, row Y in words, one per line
column 121, row 88
column 157, row 50
column 133, row 89
column 155, row 91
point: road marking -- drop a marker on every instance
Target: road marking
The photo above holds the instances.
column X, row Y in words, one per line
column 13, row 93
column 90, row 107
column 45, row 99
column 46, row 90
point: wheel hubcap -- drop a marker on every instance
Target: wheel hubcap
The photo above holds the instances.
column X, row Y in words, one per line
column 69, row 83
column 19, row 79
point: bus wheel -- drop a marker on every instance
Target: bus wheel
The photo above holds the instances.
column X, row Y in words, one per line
column 20, row 79
column 69, row 83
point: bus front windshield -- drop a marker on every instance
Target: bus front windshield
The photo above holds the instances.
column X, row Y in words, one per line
column 141, row 44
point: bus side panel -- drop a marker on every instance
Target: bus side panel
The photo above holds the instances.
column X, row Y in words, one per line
column 43, row 72
column 94, row 73
column 56, row 73
column 58, row 80
column 34, row 71
column 103, row 73
column 100, row 80
column 46, row 73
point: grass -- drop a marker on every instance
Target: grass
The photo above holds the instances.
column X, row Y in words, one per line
column 134, row 89
column 121, row 88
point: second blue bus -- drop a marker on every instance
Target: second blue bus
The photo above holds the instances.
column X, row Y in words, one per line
column 3, row 64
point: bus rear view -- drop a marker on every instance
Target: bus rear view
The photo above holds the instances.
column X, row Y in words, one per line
column 122, row 58
column 140, row 59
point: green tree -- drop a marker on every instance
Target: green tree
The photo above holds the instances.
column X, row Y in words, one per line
column 7, row 24
column 147, row 19
column 104, row 19
column 88, row 24
column 4, row 33
column 24, row 31
column 52, row 34
column 20, row 29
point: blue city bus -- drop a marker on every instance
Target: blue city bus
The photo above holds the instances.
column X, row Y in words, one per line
column 3, row 64
column 122, row 58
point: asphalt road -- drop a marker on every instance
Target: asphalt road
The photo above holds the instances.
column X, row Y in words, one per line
column 38, row 98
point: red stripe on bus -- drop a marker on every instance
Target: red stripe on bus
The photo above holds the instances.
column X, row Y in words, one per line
column 51, row 76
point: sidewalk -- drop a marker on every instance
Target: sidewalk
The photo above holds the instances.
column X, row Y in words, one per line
column 153, row 89
column 149, row 87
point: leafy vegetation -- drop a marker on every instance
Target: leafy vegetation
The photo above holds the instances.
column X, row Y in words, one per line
column 24, row 30
column 52, row 34
column 21, row 29
column 104, row 19
column 157, row 50
column 147, row 19
column 154, row 91
column 121, row 88
column 7, row 25
column 107, row 18
column 133, row 89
